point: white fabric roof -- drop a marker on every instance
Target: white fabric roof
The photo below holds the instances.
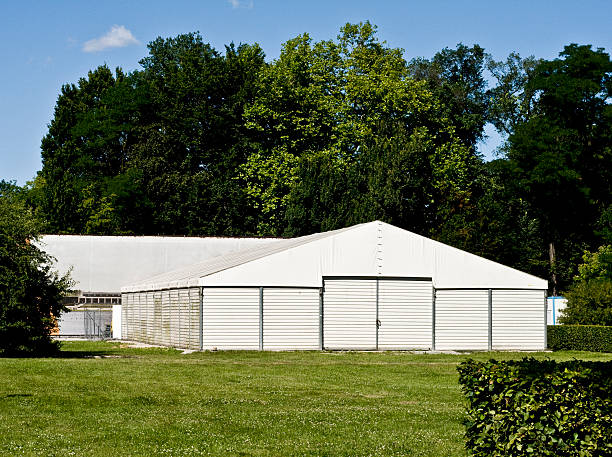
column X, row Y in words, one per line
column 371, row 249
column 106, row 263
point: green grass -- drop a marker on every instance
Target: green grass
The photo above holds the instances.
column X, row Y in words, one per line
column 100, row 399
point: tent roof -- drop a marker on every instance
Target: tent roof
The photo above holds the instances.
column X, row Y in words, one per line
column 186, row 275
column 370, row 249
column 104, row 264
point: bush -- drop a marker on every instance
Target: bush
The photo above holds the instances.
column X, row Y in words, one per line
column 538, row 408
column 580, row 338
column 30, row 292
column 589, row 303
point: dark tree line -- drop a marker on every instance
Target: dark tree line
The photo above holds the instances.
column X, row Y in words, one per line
column 332, row 133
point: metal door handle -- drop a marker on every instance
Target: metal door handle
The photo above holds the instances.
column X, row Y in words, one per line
column 378, row 323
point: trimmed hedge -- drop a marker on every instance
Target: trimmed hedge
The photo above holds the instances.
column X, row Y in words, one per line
column 580, row 338
column 538, row 408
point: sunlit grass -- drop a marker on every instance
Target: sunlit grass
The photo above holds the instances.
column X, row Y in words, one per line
column 101, row 399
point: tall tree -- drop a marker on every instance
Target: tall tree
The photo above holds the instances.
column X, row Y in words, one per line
column 562, row 155
column 455, row 76
column 30, row 292
column 77, row 152
column 330, row 98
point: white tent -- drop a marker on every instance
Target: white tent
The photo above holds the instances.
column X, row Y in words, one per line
column 370, row 286
column 104, row 264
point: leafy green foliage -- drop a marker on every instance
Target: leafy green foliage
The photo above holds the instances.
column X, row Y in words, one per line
column 589, row 303
column 560, row 152
column 340, row 103
column 542, row 408
column 596, row 265
column 455, row 77
column 596, row 338
column 30, row 292
column 589, row 299
column 336, row 132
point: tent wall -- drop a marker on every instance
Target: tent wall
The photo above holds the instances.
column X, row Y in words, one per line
column 349, row 314
column 518, row 319
column 490, row 319
column 377, row 313
column 405, row 314
column 231, row 318
column 166, row 317
column 290, row 319
column 462, row 319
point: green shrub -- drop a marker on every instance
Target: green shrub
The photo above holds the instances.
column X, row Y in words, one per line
column 30, row 291
column 589, row 303
column 538, row 408
column 595, row 338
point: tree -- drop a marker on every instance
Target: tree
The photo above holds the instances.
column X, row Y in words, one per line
column 561, row 154
column 455, row 76
column 320, row 108
column 193, row 135
column 589, row 299
column 510, row 100
column 30, row 292
column 79, row 152
column 154, row 151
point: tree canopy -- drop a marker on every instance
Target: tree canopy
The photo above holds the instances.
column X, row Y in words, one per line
column 30, row 292
column 336, row 132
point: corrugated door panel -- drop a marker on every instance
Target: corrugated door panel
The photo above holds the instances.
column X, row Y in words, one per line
column 184, row 313
column 132, row 316
column 157, row 318
column 349, row 314
column 290, row 319
column 404, row 312
column 231, row 318
column 194, row 318
column 518, row 319
column 148, row 317
column 174, row 318
column 138, row 322
column 124, row 313
column 142, row 316
column 462, row 319
column 166, row 316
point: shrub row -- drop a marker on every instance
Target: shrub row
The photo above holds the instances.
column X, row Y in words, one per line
column 580, row 338
column 538, row 408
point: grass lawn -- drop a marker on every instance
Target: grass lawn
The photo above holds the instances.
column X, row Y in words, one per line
column 101, row 399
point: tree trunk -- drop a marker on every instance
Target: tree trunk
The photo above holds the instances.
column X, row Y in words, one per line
column 553, row 269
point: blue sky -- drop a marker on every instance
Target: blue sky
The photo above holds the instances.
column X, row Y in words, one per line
column 49, row 43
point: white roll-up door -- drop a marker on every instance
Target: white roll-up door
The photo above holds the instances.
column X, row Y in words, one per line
column 518, row 319
column 290, row 319
column 462, row 319
column 231, row 318
column 349, row 314
column 404, row 312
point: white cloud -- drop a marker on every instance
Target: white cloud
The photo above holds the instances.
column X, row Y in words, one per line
column 241, row 4
column 117, row 37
